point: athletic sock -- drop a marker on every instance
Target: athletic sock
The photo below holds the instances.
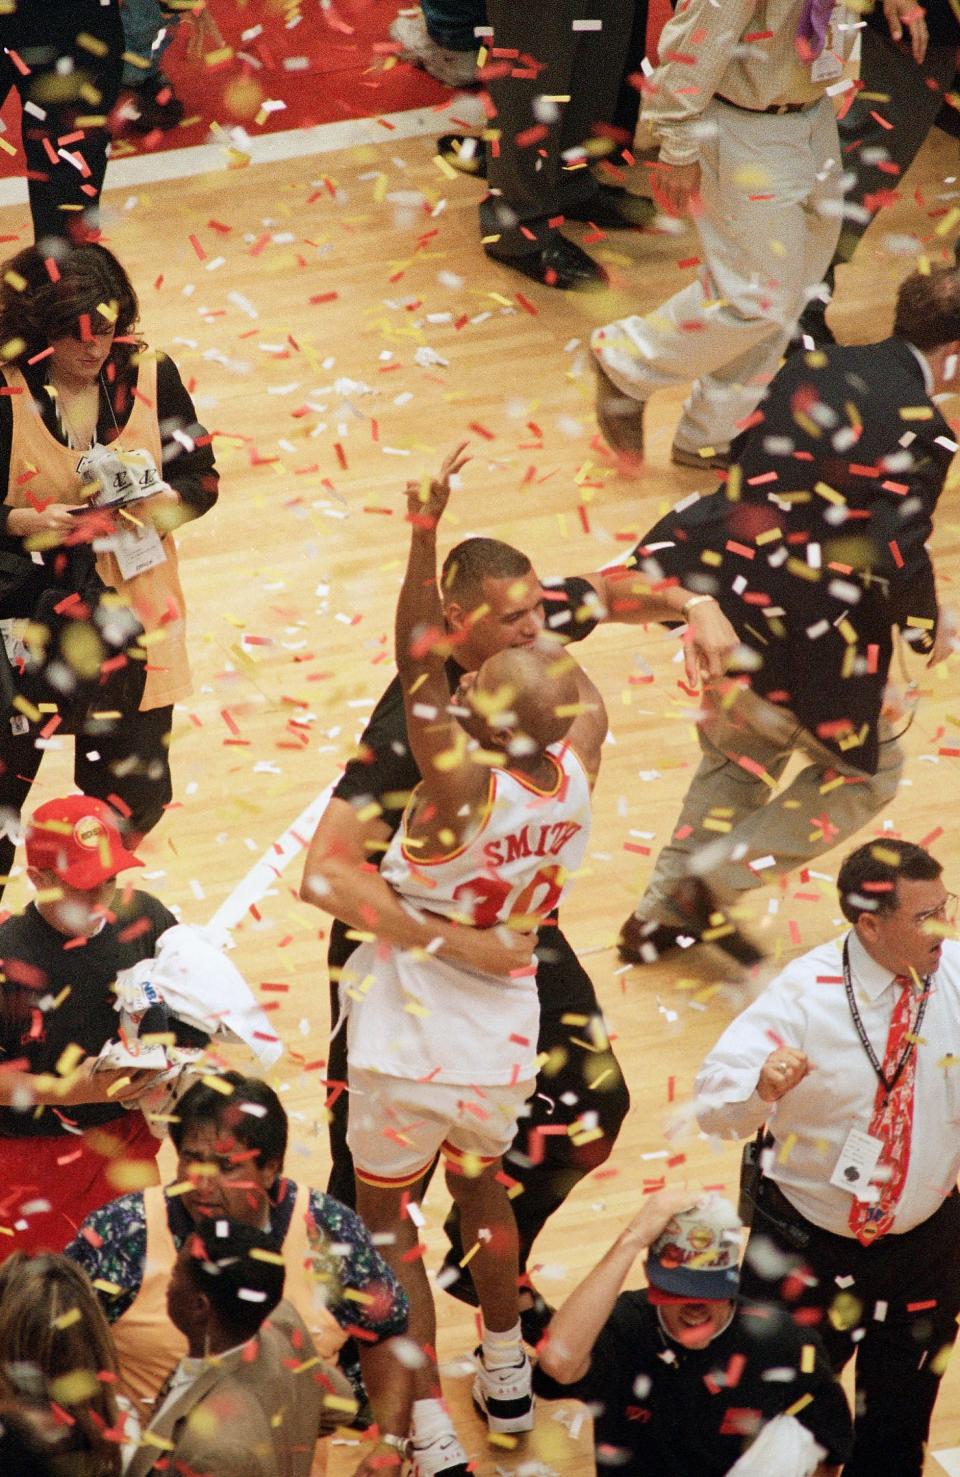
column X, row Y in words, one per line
column 429, row 1419
column 502, row 1350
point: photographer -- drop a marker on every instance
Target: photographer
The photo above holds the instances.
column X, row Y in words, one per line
column 83, row 395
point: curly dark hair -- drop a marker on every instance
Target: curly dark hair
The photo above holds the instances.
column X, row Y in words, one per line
column 42, row 299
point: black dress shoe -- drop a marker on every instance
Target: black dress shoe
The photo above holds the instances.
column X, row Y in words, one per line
column 535, row 1320
column 155, row 105
column 464, row 151
column 714, row 461
column 559, row 263
column 611, row 208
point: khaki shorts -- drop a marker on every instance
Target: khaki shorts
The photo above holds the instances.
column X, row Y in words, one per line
column 396, row 1127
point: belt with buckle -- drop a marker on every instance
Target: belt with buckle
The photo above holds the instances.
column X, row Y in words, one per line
column 774, row 107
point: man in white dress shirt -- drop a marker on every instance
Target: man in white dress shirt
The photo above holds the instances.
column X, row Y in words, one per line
column 851, row 1058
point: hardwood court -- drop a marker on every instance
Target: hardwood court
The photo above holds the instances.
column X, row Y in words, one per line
column 342, row 329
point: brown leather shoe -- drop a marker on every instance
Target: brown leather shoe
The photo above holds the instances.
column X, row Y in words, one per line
column 645, row 941
column 692, row 899
column 619, row 416
column 717, row 461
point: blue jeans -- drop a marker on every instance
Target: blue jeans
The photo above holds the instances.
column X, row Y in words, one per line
column 142, row 21
column 451, row 22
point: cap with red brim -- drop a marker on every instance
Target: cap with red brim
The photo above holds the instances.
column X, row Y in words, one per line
column 78, row 839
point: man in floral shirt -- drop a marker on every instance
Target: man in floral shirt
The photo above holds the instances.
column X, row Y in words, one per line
column 231, row 1140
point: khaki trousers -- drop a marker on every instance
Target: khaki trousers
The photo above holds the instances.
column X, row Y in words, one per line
column 732, row 815
column 772, row 198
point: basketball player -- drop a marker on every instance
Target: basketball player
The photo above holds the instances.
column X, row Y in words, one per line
column 442, row 1052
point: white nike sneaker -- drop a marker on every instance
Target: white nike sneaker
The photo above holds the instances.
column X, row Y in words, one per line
column 441, row 1455
column 505, row 1397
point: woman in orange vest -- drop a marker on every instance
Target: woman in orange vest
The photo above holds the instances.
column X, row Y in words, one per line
column 89, row 416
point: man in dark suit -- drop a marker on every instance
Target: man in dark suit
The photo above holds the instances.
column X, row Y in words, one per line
column 553, row 75
column 816, row 552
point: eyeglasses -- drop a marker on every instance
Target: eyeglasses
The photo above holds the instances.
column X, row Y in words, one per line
column 947, row 911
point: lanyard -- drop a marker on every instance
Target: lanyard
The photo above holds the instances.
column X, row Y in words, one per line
column 865, row 1041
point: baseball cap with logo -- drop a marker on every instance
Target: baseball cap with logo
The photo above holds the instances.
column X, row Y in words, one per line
column 696, row 1257
column 78, row 838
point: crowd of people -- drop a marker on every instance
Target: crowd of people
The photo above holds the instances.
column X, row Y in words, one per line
column 228, row 1320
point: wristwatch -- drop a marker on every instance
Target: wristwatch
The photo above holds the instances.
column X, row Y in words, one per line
column 398, row 1443
column 693, row 600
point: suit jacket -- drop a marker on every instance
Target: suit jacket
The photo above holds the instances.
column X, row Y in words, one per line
column 255, row 1412
column 816, row 546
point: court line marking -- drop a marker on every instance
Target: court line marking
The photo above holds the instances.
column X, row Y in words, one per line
column 269, row 868
column 268, row 148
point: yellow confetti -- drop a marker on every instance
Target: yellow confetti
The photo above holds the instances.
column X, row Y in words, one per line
column 273, row 1257
column 75, row 1387
column 217, row 1084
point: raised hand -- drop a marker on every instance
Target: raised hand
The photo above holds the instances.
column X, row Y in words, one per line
column 427, row 499
column 656, row 1213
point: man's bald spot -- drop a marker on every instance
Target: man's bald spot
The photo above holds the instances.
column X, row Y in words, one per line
column 544, row 690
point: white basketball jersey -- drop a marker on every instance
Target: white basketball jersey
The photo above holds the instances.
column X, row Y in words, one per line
column 429, row 1018
column 518, row 863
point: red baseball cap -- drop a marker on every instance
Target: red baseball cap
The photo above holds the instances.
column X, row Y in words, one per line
column 78, row 838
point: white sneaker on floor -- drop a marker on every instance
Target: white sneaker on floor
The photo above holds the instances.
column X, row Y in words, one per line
column 505, row 1397
column 454, row 68
column 443, row 1454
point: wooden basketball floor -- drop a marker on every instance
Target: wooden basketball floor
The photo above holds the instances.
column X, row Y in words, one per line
column 341, row 329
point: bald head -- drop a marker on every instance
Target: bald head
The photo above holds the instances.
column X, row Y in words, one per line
column 532, row 692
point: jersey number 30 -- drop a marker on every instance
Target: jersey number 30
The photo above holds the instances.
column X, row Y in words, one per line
column 491, row 902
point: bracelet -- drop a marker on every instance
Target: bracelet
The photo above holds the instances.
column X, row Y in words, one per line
column 693, row 600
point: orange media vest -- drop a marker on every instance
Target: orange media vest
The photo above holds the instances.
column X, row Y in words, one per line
column 40, row 464
column 149, row 1347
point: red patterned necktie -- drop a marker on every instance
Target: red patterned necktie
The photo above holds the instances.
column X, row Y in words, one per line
column 891, row 1123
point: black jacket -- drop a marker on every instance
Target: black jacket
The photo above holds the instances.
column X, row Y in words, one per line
column 816, row 546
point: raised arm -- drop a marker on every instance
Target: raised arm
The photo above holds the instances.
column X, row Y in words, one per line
column 450, row 778
column 628, row 597
column 758, row 1059
column 82, row 1086
column 566, row 1355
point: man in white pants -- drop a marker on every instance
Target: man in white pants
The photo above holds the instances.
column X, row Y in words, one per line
column 749, row 146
